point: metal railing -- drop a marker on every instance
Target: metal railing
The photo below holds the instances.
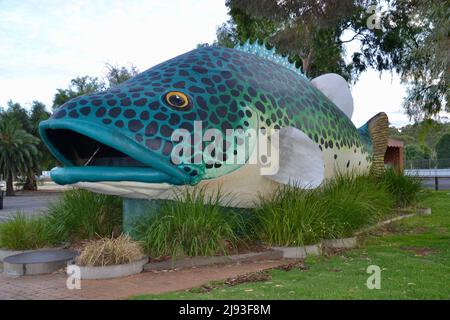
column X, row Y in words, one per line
column 427, row 164
column 433, row 173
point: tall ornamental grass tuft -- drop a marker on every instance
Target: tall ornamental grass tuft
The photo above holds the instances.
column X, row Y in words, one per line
column 404, row 189
column 343, row 205
column 353, row 202
column 194, row 225
column 23, row 233
column 291, row 217
column 84, row 215
column 110, row 251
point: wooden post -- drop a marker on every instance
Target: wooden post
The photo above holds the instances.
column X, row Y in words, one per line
column 436, row 183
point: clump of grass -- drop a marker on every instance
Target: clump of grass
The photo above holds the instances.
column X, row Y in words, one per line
column 22, row 233
column 343, row 205
column 84, row 215
column 109, row 252
column 404, row 189
column 352, row 202
column 291, row 217
column 194, row 225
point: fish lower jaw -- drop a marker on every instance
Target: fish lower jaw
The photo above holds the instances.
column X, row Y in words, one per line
column 71, row 175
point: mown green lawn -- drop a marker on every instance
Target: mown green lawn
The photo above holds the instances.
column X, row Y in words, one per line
column 414, row 255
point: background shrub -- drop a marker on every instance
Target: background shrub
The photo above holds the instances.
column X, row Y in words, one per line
column 343, row 205
column 22, row 233
column 404, row 189
column 353, row 202
column 193, row 225
column 291, row 217
column 84, row 215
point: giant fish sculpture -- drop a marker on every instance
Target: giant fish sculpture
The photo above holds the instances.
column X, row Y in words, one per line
column 121, row 141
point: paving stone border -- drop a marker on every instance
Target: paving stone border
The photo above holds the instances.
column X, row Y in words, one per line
column 112, row 272
column 300, row 252
column 205, row 261
column 345, row 243
column 424, row 211
column 419, row 211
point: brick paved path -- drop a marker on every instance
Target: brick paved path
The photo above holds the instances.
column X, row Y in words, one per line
column 54, row 286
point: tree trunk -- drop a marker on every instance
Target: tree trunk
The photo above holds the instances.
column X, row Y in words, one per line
column 30, row 183
column 306, row 61
column 9, row 185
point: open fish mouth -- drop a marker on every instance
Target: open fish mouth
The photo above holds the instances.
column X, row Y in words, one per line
column 91, row 153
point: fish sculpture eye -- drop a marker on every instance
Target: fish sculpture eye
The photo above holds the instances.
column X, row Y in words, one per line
column 177, row 100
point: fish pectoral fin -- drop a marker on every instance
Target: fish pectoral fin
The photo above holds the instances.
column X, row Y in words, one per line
column 300, row 161
column 335, row 88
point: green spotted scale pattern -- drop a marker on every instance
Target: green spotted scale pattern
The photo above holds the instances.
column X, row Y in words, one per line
column 227, row 89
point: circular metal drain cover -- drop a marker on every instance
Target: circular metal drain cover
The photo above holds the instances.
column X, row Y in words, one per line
column 37, row 262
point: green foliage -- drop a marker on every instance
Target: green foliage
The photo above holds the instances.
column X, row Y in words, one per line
column 22, row 233
column 78, row 86
column 315, row 33
column 425, row 65
column 86, row 84
column 83, row 215
column 116, row 75
column 413, row 254
column 421, row 138
column 404, row 189
column 354, row 202
column 15, row 112
column 410, row 38
column 18, row 152
column 443, row 147
column 416, row 152
column 193, row 225
column 295, row 216
column 291, row 217
column 29, row 122
column 79, row 215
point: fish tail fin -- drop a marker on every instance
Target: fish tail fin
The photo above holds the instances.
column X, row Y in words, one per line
column 378, row 130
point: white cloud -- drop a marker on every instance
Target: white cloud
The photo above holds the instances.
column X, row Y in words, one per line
column 45, row 43
column 374, row 93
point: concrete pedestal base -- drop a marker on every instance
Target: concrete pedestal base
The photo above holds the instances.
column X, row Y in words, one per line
column 135, row 209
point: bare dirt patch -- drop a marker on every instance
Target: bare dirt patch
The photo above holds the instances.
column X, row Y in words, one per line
column 298, row 265
column 259, row 276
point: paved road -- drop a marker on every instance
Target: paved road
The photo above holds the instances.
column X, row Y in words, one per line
column 28, row 203
column 444, row 183
column 428, row 177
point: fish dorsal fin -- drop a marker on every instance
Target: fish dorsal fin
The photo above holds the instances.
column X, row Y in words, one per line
column 269, row 54
column 335, row 88
column 300, row 161
column 378, row 128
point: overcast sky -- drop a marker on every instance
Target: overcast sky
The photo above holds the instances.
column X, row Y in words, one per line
column 45, row 43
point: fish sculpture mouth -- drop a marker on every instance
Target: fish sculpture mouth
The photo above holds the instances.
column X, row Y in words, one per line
column 91, row 153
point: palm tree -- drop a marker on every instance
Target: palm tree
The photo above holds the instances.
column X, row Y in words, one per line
column 18, row 152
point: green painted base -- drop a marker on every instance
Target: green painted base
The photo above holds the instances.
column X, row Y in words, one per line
column 135, row 209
